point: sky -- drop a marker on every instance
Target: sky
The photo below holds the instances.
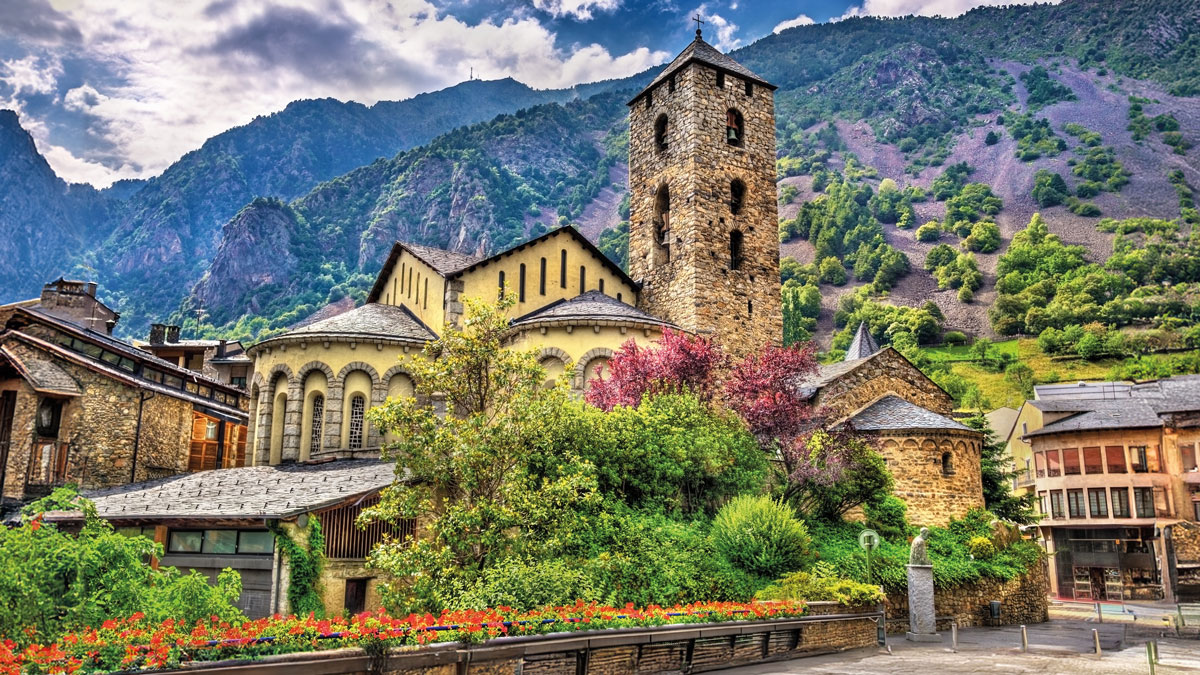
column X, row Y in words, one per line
column 113, row 89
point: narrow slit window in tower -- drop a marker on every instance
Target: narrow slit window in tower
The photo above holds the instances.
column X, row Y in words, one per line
column 660, row 132
column 500, row 293
column 735, row 249
column 562, row 269
column 720, row 80
column 582, row 279
column 662, row 224
column 542, row 278
column 521, row 285
column 737, row 196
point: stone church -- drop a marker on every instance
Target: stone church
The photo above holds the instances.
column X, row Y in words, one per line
column 704, row 258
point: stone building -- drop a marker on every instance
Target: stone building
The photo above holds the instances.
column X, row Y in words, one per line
column 222, row 360
column 703, row 235
column 208, row 523
column 79, row 406
column 1115, row 473
column 934, row 459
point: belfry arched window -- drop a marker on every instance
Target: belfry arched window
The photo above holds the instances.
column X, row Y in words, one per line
column 662, row 222
column 737, row 196
column 947, row 464
column 660, row 132
column 735, row 128
column 735, row 249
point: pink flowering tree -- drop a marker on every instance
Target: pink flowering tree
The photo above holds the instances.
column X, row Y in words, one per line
column 677, row 362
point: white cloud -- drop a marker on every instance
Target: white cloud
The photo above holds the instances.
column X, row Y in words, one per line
column 802, row 20
column 580, row 9
column 947, row 8
column 181, row 72
column 726, row 38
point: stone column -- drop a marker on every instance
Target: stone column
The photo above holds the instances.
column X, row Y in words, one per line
column 333, row 416
column 262, row 433
column 292, row 422
column 379, row 394
column 922, row 619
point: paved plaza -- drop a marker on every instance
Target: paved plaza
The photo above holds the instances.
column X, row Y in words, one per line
column 1060, row 646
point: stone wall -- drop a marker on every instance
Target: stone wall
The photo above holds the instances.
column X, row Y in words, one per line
column 660, row 649
column 888, row 372
column 691, row 281
column 1185, row 537
column 100, row 427
column 1024, row 601
column 333, row 585
column 935, row 491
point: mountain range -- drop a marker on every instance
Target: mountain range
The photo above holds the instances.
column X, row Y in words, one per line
column 267, row 223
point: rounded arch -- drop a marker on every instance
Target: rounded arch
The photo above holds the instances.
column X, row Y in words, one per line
column 315, row 379
column 661, row 128
column 393, row 371
column 588, row 363
column 279, row 369
column 307, row 368
column 555, row 352
column 735, row 128
column 555, row 361
column 358, row 365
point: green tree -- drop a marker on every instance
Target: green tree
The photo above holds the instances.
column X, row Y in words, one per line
column 1021, row 377
column 997, row 475
column 470, row 473
column 832, row 271
column 1049, row 188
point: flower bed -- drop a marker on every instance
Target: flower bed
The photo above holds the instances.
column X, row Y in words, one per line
column 133, row 643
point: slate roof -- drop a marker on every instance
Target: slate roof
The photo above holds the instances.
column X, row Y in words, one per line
column 369, row 320
column 1130, row 413
column 702, row 52
column 255, row 492
column 1082, row 390
column 43, row 375
column 825, row 374
column 1173, row 394
column 863, row 345
column 593, row 306
column 894, row 413
column 443, row 261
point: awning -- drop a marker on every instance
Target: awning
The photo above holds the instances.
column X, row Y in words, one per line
column 40, row 372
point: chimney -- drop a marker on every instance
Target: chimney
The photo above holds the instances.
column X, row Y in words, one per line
column 91, row 288
column 172, row 333
column 110, row 325
column 221, row 349
column 158, row 333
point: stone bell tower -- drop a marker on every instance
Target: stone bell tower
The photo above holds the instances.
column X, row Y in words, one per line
column 703, row 213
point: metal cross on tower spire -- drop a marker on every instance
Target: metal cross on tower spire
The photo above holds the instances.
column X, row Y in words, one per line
column 698, row 21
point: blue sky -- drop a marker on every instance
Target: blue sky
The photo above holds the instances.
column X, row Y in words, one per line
column 115, row 89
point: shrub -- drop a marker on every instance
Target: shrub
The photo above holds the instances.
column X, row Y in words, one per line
column 992, row 138
column 820, row 585
column 981, row 547
column 761, row 536
column 888, row 517
column 832, row 271
column 929, row 232
column 525, row 584
column 984, row 238
column 965, row 294
column 955, row 337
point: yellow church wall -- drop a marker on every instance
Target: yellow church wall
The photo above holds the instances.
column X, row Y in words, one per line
column 587, row 347
column 424, row 295
column 483, row 282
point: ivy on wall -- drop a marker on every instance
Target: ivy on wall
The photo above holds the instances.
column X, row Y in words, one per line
column 305, row 561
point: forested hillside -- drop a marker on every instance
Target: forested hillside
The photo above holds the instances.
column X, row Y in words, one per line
column 911, row 152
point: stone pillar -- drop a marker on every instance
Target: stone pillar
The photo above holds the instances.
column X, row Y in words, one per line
column 333, row 416
column 292, row 422
column 379, row 394
column 262, row 434
column 922, row 618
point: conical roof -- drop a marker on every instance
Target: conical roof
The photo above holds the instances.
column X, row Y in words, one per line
column 863, row 345
column 702, row 52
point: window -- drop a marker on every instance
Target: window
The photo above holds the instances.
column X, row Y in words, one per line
column 1042, row 504
column 1093, row 460
column 49, row 417
column 720, row 80
column 1143, row 502
column 618, row 297
column 542, row 278
column 1138, row 460
column 521, row 284
column 1039, row 461
column 255, row 541
column 1052, row 464
column 395, row 295
column 662, row 224
column 1187, row 452
column 947, row 464
column 1114, row 456
column 1056, row 504
column 185, row 542
column 649, row 99
column 358, row 406
column 600, row 285
column 500, row 284
column 671, row 85
column 410, row 282
column 1071, row 462
column 1120, row 502
column 735, row 249
column 660, row 132
column 582, row 278
column 1098, row 502
column 403, row 267
column 425, row 301
column 749, row 308
column 737, row 196
column 749, row 88
column 562, row 269
column 735, row 128
column 1075, row 505
column 318, row 419
column 220, row 542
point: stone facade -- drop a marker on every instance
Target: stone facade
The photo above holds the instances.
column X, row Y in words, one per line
column 99, row 429
column 936, row 472
column 1023, row 601
column 690, row 278
column 887, row 372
